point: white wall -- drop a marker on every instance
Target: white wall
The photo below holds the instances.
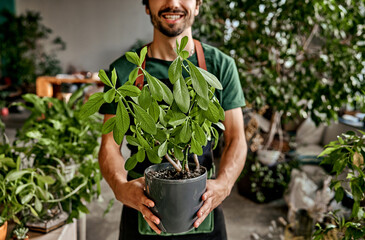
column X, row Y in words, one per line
column 96, row 32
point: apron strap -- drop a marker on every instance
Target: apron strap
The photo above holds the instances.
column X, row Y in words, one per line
column 199, row 54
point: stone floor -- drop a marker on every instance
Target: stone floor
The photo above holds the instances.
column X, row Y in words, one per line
column 243, row 217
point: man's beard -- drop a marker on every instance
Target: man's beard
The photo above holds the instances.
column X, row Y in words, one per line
column 171, row 30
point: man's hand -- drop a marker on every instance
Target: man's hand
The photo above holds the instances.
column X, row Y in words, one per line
column 215, row 194
column 132, row 195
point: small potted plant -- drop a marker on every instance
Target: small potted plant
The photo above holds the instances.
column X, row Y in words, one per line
column 166, row 124
column 20, row 233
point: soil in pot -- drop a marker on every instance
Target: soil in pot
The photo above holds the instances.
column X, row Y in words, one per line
column 176, row 200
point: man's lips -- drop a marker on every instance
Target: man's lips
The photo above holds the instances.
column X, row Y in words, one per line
column 172, row 15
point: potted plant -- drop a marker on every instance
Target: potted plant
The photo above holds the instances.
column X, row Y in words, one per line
column 55, row 138
column 23, row 191
column 20, row 233
column 165, row 124
column 346, row 155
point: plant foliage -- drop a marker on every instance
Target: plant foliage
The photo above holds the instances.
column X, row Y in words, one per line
column 347, row 154
column 304, row 58
column 56, row 139
column 158, row 120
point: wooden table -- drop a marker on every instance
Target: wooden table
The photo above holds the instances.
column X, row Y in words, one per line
column 66, row 232
column 47, row 86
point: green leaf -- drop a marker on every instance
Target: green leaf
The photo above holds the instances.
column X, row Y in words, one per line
column 178, row 153
column 154, row 110
column 129, row 90
column 45, row 179
column 92, row 106
column 181, row 95
column 339, row 194
column 132, row 57
column 122, row 123
column 15, row 175
column 154, row 86
column 38, row 205
column 211, row 79
column 175, row 70
column 166, row 93
column 25, row 199
column 145, row 98
column 203, row 103
column 220, row 125
column 199, row 83
column 33, row 211
column 35, row 134
column 82, row 208
column 133, row 75
column 177, row 118
column 327, row 151
column 142, row 55
column 114, row 77
column 140, row 155
column 162, row 150
column 183, row 43
column 196, row 147
column 185, row 133
column 160, row 136
column 132, row 141
column 162, row 116
column 20, row 188
column 109, row 95
column 199, row 134
column 142, row 141
column 212, row 114
column 108, row 126
column 184, row 54
column 153, row 156
column 216, row 137
column 131, row 163
column 145, row 120
column 104, row 78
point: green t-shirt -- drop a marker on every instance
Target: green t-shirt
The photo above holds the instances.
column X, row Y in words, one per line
column 218, row 63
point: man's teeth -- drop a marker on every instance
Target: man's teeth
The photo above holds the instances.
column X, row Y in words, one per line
column 172, row 17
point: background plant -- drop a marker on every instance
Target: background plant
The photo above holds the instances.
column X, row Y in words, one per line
column 164, row 122
column 22, row 190
column 302, row 58
column 347, row 155
column 55, row 138
column 22, row 52
column 267, row 181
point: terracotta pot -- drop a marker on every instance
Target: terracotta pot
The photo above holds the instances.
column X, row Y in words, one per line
column 3, row 230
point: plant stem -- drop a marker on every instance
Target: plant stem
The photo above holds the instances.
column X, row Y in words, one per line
column 196, row 160
column 173, row 163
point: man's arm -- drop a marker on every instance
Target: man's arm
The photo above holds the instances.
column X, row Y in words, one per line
column 129, row 193
column 231, row 164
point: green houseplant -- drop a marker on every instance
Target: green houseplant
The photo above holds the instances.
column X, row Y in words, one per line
column 346, row 154
column 55, row 137
column 22, row 52
column 161, row 122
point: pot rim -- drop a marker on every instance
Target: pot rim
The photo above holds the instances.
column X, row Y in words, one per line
column 173, row 181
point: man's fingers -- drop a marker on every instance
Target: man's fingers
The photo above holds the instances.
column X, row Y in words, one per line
column 207, row 195
column 152, row 225
column 148, row 215
column 147, row 202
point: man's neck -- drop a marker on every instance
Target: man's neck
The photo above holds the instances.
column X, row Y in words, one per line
column 163, row 47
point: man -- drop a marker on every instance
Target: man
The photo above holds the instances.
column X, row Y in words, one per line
column 172, row 20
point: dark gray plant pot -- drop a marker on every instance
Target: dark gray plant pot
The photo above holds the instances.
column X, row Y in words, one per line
column 176, row 201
